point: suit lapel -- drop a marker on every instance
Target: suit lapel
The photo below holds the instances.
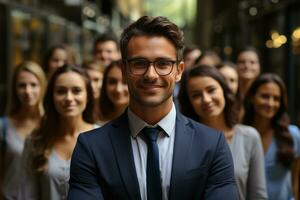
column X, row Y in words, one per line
column 183, row 139
column 123, row 151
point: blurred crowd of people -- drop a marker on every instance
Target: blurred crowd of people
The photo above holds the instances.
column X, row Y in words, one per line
column 52, row 103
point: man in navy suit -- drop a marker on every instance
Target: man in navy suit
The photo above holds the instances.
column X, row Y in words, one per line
column 152, row 151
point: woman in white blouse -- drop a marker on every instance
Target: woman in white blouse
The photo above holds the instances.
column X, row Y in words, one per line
column 68, row 112
column 24, row 114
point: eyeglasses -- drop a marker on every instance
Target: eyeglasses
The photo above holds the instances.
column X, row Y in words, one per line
column 139, row 66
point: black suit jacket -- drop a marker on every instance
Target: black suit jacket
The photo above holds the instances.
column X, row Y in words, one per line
column 102, row 165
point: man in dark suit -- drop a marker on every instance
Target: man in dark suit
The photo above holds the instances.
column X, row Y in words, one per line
column 152, row 151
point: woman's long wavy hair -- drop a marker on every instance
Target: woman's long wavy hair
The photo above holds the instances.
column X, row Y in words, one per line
column 107, row 107
column 280, row 120
column 50, row 129
column 49, row 54
column 14, row 102
column 230, row 113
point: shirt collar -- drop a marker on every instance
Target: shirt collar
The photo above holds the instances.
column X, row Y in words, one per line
column 167, row 123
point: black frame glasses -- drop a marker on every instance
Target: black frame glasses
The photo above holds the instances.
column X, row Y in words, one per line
column 139, row 66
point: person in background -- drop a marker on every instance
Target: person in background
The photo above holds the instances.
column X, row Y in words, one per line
column 95, row 71
column 56, row 57
column 266, row 110
column 106, row 49
column 24, row 114
column 114, row 97
column 152, row 151
column 210, row 58
column 248, row 68
column 190, row 54
column 229, row 71
column 73, row 56
column 205, row 97
column 68, row 107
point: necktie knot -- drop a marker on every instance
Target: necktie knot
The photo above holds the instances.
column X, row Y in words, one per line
column 151, row 134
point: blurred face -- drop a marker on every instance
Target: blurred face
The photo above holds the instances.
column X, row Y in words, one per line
column 28, row 88
column 191, row 57
column 96, row 81
column 231, row 78
column 58, row 59
column 266, row 100
column 116, row 87
column 70, row 95
column 248, row 66
column 106, row 52
column 206, row 96
column 151, row 89
column 207, row 60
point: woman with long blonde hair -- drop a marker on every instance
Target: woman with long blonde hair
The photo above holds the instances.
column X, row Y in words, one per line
column 24, row 114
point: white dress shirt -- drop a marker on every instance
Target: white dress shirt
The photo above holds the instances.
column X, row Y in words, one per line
column 165, row 142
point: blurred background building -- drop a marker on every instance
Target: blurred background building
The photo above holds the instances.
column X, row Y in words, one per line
column 29, row 27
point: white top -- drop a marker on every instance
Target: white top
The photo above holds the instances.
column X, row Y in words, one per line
column 52, row 185
column 13, row 157
column 165, row 142
column 248, row 158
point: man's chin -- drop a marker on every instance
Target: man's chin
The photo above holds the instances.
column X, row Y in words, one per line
column 151, row 102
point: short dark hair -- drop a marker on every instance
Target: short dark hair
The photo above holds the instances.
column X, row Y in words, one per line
column 105, row 37
column 152, row 26
column 279, row 122
column 230, row 113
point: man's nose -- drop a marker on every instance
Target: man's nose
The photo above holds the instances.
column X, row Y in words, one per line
column 151, row 72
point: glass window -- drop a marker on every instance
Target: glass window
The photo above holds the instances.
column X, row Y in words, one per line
column 3, row 52
column 28, row 37
column 56, row 34
column 88, row 38
column 73, row 37
column 295, row 43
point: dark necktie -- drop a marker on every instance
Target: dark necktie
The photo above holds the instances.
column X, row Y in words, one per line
column 154, row 189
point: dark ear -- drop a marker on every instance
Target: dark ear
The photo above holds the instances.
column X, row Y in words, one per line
column 123, row 68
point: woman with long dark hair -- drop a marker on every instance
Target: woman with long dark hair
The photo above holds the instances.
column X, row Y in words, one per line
column 205, row 97
column 266, row 110
column 114, row 97
column 95, row 71
column 68, row 112
column 56, row 57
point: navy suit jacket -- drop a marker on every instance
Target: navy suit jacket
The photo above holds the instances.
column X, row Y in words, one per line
column 102, row 165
